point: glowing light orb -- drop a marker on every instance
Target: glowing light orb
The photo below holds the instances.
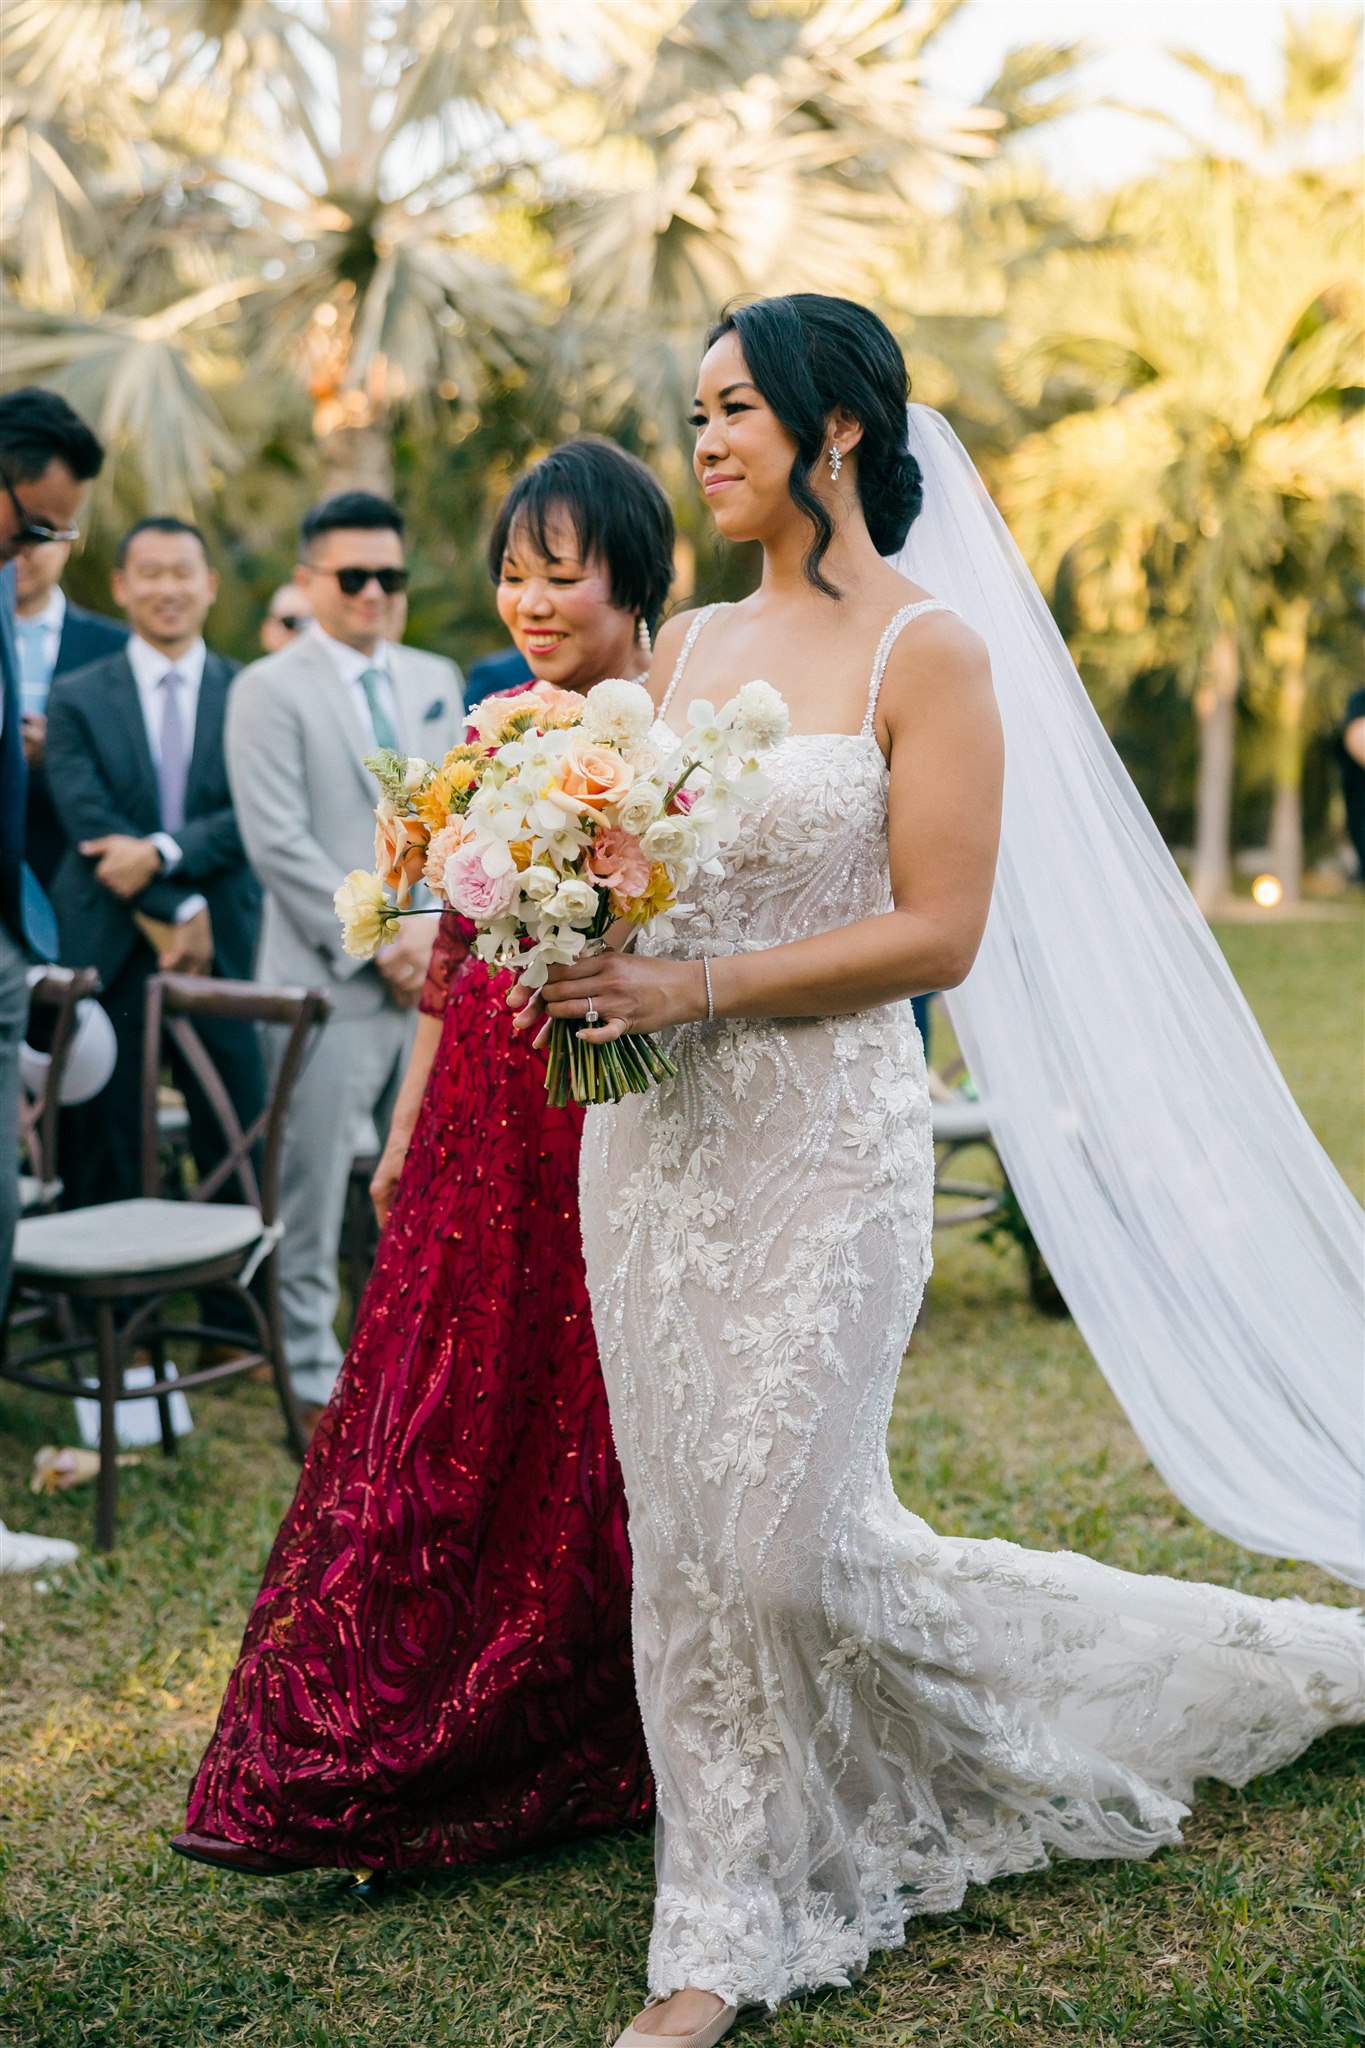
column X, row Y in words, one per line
column 1266, row 891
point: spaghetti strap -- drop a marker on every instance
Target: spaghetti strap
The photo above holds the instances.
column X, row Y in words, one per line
column 698, row 621
column 884, row 646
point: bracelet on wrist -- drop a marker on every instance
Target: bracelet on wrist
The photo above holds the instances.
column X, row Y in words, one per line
column 710, row 998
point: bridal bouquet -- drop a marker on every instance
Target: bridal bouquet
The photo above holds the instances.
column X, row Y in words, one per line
column 560, row 817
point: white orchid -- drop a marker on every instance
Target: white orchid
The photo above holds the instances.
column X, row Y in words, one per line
column 706, row 738
column 560, row 945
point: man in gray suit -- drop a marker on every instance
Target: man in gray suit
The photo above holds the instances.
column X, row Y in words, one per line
column 299, row 725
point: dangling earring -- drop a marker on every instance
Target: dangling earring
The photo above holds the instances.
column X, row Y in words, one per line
column 836, row 461
column 642, row 635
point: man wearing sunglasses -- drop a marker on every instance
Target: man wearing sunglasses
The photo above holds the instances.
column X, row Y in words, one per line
column 47, row 457
column 299, row 726
column 289, row 613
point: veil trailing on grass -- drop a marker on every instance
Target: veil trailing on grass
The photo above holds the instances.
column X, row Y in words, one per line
column 1210, row 1253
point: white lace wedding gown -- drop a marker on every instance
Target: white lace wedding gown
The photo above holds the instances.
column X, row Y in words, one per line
column 850, row 1718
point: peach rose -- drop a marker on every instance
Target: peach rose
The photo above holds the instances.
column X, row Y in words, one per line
column 400, row 852
column 442, row 845
column 589, row 777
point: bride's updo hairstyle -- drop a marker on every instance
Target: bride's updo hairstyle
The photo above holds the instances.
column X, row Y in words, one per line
column 808, row 355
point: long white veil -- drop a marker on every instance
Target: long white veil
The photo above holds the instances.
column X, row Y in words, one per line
column 1211, row 1255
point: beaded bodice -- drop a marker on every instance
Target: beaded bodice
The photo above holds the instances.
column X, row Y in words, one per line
column 813, row 855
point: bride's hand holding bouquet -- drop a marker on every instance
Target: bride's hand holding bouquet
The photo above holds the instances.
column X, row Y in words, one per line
column 561, row 824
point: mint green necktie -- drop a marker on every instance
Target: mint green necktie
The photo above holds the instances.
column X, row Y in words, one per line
column 384, row 734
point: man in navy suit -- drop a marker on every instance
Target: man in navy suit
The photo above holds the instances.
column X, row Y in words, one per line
column 135, row 757
column 53, row 636
column 47, row 458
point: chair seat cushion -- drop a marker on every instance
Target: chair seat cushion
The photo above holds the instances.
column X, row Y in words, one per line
column 961, row 1121
column 134, row 1237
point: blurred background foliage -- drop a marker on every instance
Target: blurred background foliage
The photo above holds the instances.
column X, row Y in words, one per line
column 274, row 246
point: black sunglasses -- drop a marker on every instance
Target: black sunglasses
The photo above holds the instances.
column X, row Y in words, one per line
column 353, row 581
column 32, row 532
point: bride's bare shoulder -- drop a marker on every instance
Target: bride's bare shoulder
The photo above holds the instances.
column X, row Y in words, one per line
column 937, row 658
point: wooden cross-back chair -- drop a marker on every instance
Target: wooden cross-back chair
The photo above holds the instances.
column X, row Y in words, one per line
column 57, row 990
column 150, row 1250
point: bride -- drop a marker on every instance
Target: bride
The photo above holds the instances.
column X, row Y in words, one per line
column 850, row 1719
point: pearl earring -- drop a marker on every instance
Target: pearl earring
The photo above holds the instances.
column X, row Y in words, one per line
column 836, row 461
column 642, row 635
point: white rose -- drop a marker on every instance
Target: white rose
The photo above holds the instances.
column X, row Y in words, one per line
column 640, row 806
column 574, row 902
column 415, row 772
column 618, row 713
column 538, row 884
column 669, row 839
column 760, row 715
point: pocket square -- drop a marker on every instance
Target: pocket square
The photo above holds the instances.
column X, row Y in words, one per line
column 436, row 709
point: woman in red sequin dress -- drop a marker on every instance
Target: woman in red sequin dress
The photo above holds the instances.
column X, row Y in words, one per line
column 437, row 1670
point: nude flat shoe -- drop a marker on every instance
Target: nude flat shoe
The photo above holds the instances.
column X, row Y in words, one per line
column 700, row 2037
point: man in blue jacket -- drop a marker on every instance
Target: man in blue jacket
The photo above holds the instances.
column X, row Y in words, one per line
column 47, row 457
column 52, row 636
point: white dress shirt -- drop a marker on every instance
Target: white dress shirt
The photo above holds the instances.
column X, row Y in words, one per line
column 149, row 665
column 350, row 664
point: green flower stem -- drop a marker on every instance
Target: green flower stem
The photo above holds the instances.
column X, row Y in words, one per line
column 577, row 1071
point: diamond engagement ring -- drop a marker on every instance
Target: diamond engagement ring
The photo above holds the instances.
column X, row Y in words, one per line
column 590, row 1015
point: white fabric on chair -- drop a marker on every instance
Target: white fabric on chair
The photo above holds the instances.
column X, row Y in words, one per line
column 961, row 1122
column 142, row 1236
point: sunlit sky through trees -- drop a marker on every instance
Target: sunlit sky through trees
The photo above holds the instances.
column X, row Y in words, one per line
column 1103, row 146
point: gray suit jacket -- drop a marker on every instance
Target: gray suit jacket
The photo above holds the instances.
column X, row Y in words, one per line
column 305, row 804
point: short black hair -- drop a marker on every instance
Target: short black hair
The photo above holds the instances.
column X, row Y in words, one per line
column 162, row 524
column 808, row 354
column 618, row 513
column 352, row 511
column 38, row 427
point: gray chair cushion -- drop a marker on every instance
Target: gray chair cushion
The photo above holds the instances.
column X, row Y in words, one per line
column 961, row 1122
column 134, row 1237
column 35, row 1194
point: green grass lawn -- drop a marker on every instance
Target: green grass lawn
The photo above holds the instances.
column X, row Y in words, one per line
column 1251, row 1933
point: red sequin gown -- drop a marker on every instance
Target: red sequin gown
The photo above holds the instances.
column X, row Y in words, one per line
column 437, row 1669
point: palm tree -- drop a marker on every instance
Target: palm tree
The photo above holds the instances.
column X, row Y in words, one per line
column 1211, row 337
column 341, row 187
column 1212, row 334
column 726, row 147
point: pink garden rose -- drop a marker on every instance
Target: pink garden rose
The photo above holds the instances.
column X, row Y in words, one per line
column 445, row 842
column 619, row 862
column 472, row 891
